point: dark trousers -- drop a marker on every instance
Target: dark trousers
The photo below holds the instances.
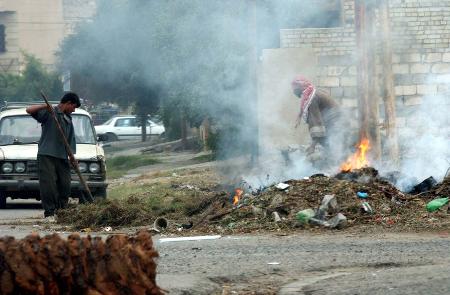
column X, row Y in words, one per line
column 54, row 183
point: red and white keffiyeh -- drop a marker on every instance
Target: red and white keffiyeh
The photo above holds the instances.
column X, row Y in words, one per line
column 309, row 90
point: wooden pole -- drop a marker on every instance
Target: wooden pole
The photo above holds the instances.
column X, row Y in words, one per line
column 388, row 89
column 68, row 149
column 374, row 96
column 363, row 82
column 367, row 84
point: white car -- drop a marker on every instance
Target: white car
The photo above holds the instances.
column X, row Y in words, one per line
column 19, row 137
column 126, row 127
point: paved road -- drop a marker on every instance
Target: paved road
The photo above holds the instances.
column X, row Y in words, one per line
column 303, row 263
column 308, row 264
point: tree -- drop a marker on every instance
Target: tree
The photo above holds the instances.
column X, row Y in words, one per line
column 153, row 53
column 27, row 85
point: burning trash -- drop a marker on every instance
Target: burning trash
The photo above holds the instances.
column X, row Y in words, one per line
column 237, row 196
column 359, row 159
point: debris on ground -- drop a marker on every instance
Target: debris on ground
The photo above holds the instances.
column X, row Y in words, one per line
column 78, row 265
column 424, row 186
column 354, row 199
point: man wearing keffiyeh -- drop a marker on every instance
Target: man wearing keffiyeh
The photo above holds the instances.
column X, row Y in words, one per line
column 319, row 111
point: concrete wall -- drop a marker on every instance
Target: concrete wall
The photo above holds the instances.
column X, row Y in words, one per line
column 38, row 27
column 278, row 108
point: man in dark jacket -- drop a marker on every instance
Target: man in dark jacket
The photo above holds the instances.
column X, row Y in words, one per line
column 319, row 111
column 53, row 159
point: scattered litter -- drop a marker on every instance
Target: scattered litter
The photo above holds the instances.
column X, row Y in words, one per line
column 160, row 224
column 328, row 202
column 424, row 186
column 273, row 263
column 366, row 208
column 86, row 230
column 339, row 221
column 108, row 228
column 196, row 238
column 282, row 186
column 276, row 216
column 436, row 204
column 187, row 225
column 305, row 215
column 362, row 195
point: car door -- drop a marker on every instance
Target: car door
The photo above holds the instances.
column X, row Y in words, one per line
column 153, row 128
column 127, row 128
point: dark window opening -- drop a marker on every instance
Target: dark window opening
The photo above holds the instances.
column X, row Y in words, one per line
column 2, row 39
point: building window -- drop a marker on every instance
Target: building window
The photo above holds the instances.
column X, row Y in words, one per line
column 2, row 39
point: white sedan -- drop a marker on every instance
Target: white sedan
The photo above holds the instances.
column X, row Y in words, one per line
column 126, row 127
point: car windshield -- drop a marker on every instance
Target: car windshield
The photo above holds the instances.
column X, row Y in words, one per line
column 23, row 129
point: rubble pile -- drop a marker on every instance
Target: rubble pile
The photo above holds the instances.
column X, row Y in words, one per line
column 443, row 189
column 78, row 265
column 362, row 197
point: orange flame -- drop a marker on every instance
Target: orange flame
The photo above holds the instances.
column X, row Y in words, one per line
column 237, row 196
column 358, row 160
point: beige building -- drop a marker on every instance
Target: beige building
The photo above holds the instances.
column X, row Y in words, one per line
column 37, row 27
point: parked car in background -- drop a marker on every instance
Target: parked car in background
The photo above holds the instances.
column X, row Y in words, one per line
column 19, row 137
column 127, row 127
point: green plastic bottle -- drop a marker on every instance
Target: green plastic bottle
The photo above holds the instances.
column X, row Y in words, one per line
column 436, row 204
column 304, row 215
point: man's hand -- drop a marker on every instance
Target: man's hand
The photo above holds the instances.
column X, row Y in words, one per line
column 73, row 161
column 49, row 108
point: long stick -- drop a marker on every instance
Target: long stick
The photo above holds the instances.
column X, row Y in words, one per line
column 68, row 149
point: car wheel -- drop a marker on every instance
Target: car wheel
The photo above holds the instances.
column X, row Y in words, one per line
column 100, row 194
column 2, row 201
column 111, row 137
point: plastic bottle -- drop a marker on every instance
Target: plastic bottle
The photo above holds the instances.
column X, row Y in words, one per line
column 436, row 204
column 305, row 215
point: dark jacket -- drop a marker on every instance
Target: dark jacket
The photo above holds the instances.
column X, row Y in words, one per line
column 323, row 113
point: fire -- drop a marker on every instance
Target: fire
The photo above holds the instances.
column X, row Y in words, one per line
column 358, row 159
column 237, row 196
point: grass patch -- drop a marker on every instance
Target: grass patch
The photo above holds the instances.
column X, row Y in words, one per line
column 140, row 206
column 179, row 199
column 205, row 158
column 118, row 166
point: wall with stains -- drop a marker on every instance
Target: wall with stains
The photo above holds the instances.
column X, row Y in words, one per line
column 37, row 28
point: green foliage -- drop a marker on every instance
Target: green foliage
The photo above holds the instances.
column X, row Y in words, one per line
column 118, row 166
column 27, row 85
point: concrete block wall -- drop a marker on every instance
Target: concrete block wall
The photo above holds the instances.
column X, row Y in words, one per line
column 421, row 62
column 421, row 54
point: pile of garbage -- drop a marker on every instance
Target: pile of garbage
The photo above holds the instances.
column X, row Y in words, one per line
column 357, row 198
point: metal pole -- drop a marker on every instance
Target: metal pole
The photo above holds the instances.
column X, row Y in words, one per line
column 68, row 149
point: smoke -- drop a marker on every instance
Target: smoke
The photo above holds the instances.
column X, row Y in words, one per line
column 204, row 54
column 425, row 142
